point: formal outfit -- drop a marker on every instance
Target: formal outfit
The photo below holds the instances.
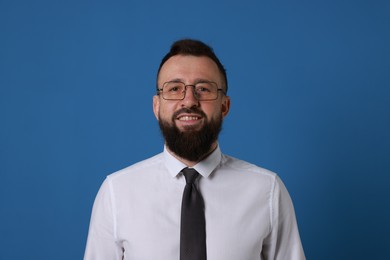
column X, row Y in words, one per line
column 248, row 212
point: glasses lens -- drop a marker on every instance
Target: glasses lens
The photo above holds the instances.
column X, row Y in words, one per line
column 206, row 90
column 173, row 90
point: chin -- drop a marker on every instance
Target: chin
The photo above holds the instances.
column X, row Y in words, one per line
column 187, row 129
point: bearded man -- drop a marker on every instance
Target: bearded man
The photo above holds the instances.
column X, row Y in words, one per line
column 191, row 202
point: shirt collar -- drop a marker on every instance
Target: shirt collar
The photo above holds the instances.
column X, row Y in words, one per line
column 204, row 167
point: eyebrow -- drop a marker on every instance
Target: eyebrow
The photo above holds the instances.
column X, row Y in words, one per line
column 176, row 80
column 196, row 81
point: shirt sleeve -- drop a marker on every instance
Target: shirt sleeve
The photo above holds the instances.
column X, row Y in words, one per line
column 283, row 242
column 102, row 243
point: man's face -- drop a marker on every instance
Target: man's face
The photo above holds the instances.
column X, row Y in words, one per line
column 190, row 115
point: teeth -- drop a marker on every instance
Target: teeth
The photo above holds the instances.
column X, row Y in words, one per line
column 186, row 118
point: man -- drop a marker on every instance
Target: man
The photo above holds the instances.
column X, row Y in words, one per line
column 192, row 201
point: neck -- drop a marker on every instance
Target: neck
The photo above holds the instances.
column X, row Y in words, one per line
column 192, row 163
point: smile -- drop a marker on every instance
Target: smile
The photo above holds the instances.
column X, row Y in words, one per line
column 188, row 118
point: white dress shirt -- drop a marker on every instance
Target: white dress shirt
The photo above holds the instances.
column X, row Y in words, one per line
column 249, row 213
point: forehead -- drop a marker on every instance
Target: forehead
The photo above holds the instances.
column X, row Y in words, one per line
column 189, row 69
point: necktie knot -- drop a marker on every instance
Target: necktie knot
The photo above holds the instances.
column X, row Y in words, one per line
column 190, row 174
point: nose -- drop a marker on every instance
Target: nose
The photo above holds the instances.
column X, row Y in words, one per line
column 190, row 98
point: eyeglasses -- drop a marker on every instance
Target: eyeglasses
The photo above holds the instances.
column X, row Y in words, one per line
column 203, row 91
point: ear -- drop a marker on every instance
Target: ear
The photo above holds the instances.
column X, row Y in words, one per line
column 225, row 106
column 156, row 105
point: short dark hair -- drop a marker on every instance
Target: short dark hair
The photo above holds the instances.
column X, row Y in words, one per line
column 194, row 48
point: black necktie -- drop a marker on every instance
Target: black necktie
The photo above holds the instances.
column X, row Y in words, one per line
column 193, row 228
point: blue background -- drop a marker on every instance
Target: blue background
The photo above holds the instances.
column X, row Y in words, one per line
column 309, row 83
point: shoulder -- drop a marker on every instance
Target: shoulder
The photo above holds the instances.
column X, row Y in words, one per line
column 143, row 167
column 254, row 177
column 245, row 167
column 245, row 174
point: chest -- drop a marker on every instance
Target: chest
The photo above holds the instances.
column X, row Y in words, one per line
column 237, row 221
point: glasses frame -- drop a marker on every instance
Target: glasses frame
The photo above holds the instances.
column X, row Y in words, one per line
column 160, row 90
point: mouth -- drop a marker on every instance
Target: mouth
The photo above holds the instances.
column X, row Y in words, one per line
column 188, row 117
column 189, row 122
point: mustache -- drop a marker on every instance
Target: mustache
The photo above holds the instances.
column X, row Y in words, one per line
column 194, row 110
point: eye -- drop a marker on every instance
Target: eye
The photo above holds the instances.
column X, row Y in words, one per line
column 173, row 87
column 203, row 88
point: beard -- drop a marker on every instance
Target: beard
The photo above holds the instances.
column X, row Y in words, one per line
column 191, row 144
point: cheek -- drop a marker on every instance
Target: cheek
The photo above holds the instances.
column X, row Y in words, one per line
column 165, row 112
column 212, row 111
